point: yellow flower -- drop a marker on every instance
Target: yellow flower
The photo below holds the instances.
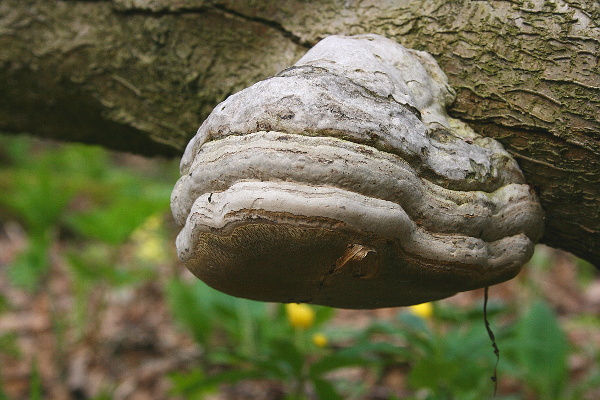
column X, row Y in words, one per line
column 153, row 223
column 300, row 315
column 149, row 243
column 424, row 310
column 151, row 250
column 320, row 340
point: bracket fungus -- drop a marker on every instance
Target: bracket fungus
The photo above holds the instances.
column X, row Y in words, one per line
column 342, row 181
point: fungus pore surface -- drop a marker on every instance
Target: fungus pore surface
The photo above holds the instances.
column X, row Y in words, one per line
column 342, row 181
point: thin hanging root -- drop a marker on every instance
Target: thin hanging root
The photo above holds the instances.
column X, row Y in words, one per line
column 492, row 338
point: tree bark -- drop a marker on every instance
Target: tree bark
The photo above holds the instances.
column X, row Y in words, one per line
column 141, row 75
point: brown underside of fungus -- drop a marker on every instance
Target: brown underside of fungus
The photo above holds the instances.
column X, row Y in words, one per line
column 342, row 181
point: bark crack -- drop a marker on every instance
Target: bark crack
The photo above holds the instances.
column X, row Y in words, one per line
column 271, row 24
column 169, row 10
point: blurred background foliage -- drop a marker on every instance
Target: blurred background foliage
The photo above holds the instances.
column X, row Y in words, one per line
column 86, row 237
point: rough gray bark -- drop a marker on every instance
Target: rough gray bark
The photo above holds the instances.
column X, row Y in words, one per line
column 141, row 75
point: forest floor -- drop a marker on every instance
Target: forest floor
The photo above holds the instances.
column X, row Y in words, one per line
column 63, row 341
column 129, row 342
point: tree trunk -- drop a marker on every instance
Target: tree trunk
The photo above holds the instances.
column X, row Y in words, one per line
column 141, row 75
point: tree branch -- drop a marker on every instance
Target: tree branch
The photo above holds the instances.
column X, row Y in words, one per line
column 141, row 75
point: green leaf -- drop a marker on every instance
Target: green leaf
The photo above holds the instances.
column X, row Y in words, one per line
column 325, row 390
column 416, row 332
column 187, row 308
column 31, row 265
column 96, row 270
column 413, row 323
column 17, row 149
column 103, row 395
column 115, row 223
column 3, row 395
column 286, row 356
column 373, row 351
column 35, row 383
column 461, row 315
column 195, row 383
column 381, row 327
column 77, row 160
column 232, row 376
column 39, row 198
column 542, row 350
column 272, row 367
column 189, row 383
column 336, row 361
column 8, row 344
column 433, row 372
column 4, row 304
column 322, row 314
column 457, row 363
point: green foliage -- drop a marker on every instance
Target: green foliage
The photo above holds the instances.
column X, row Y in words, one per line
column 447, row 361
column 39, row 197
column 114, row 221
column 104, row 395
column 8, row 344
column 586, row 272
column 73, row 191
column 244, row 339
column 455, row 363
column 218, row 321
column 3, row 395
column 4, row 304
column 36, row 389
column 76, row 192
column 32, row 264
column 450, row 354
column 95, row 266
column 42, row 186
column 537, row 352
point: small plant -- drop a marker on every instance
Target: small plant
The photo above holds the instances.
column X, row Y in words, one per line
column 44, row 184
column 8, row 345
column 447, row 360
column 244, row 339
column 447, row 349
column 536, row 351
column 76, row 192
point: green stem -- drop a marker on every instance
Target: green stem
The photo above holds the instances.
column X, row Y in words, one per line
column 248, row 328
column 300, row 382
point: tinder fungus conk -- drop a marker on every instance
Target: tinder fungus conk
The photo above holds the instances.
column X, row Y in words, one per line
column 342, row 181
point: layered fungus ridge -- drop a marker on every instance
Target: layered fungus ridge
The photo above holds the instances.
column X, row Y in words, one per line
column 330, row 162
